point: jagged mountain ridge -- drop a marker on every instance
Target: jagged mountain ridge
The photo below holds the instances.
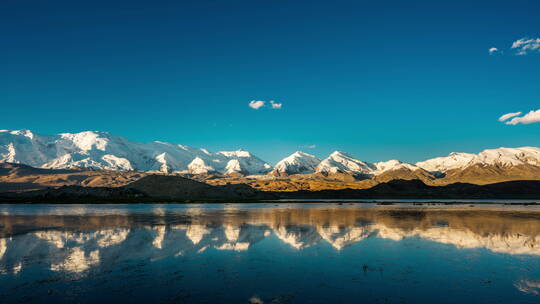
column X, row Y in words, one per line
column 491, row 165
column 336, row 163
column 101, row 150
column 340, row 162
column 501, row 157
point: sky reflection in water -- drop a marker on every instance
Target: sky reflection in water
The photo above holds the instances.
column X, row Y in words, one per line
column 294, row 253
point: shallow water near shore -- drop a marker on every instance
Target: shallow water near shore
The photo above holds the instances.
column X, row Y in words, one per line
column 270, row 253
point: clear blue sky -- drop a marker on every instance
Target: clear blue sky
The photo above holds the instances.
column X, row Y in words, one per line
column 378, row 79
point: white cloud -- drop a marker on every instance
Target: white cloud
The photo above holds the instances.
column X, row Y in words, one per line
column 531, row 117
column 509, row 115
column 309, row 146
column 493, row 50
column 525, row 45
column 256, row 104
column 275, row 105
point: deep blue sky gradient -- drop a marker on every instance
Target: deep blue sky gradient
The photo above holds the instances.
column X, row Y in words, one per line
column 378, row 79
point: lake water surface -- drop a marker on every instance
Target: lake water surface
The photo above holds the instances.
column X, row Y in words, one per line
column 269, row 253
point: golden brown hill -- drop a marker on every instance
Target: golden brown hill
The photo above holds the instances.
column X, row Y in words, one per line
column 488, row 174
column 405, row 174
column 18, row 177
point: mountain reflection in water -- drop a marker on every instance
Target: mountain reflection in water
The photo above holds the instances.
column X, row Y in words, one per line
column 79, row 244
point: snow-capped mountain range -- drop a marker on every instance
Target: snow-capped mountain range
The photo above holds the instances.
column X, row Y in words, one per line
column 337, row 162
column 101, row 150
column 502, row 157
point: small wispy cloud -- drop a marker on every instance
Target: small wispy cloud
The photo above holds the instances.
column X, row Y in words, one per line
column 275, row 105
column 508, row 115
column 309, row 147
column 529, row 118
column 524, row 46
column 493, row 50
column 256, row 104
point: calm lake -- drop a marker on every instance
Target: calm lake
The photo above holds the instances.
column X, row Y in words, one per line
column 270, row 253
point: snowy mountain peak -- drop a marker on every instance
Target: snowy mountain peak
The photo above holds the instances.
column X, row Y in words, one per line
column 237, row 153
column 300, row 154
column 87, row 140
column 339, row 154
column 393, row 164
column 199, row 166
column 340, row 162
column 233, row 166
column 22, row 132
column 297, row 163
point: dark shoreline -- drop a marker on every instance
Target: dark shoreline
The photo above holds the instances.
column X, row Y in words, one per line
column 165, row 189
column 378, row 202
